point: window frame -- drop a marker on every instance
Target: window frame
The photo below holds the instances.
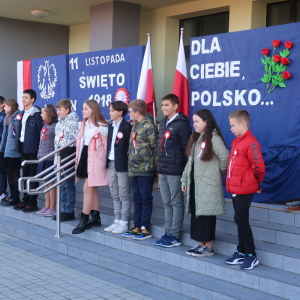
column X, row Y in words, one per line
column 199, row 27
column 293, row 11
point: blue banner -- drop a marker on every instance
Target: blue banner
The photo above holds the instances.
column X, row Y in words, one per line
column 50, row 79
column 230, row 71
column 105, row 76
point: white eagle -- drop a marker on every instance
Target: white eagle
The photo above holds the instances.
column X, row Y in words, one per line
column 47, row 78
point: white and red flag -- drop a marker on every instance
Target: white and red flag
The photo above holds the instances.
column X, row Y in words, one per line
column 181, row 86
column 146, row 89
column 23, row 79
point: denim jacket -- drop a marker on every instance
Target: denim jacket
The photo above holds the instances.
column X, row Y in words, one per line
column 9, row 142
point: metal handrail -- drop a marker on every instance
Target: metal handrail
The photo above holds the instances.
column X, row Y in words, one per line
column 59, row 170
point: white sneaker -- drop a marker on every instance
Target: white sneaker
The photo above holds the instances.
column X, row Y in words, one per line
column 112, row 226
column 122, row 227
column 2, row 197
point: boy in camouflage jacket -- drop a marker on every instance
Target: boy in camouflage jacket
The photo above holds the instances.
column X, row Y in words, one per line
column 142, row 167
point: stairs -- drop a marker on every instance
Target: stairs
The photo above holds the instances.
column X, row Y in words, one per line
column 276, row 233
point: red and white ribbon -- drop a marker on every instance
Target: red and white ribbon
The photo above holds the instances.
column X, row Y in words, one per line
column 134, row 141
column 61, row 136
column 119, row 136
column 14, row 131
column 96, row 141
column 18, row 117
column 166, row 136
column 202, row 147
column 44, row 133
column 232, row 161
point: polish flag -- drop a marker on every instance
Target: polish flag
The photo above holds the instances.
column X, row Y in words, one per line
column 146, row 89
column 23, row 79
column 181, row 86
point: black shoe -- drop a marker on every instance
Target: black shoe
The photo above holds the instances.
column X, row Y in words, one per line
column 21, row 205
column 95, row 219
column 54, row 217
column 82, row 225
column 30, row 208
column 10, row 202
column 67, row 217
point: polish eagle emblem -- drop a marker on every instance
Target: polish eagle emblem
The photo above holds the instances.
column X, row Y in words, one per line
column 47, row 78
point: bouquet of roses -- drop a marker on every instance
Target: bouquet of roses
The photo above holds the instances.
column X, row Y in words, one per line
column 275, row 66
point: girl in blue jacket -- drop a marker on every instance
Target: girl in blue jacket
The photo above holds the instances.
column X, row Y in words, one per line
column 9, row 145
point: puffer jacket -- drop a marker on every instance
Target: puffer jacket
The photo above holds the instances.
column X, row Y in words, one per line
column 47, row 140
column 10, row 141
column 142, row 159
column 68, row 126
column 209, row 200
column 171, row 151
column 246, row 166
column 33, row 127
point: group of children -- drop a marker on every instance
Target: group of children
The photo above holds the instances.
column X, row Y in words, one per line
column 127, row 158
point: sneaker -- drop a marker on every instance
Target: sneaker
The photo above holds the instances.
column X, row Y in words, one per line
column 250, row 262
column 61, row 214
column 9, row 202
column 112, row 226
column 203, row 251
column 42, row 211
column 2, row 197
column 121, row 228
column 20, row 206
column 50, row 212
column 67, row 217
column 171, row 241
column 145, row 234
column 236, row 259
column 30, row 208
column 161, row 240
column 192, row 250
column 132, row 233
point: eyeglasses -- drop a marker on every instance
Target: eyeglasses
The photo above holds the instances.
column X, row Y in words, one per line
column 131, row 111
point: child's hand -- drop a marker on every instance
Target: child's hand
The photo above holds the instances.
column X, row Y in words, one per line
column 184, row 189
column 259, row 191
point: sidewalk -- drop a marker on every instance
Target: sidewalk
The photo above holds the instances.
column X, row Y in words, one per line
column 32, row 272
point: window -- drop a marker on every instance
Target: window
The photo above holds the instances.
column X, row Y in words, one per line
column 283, row 12
column 204, row 25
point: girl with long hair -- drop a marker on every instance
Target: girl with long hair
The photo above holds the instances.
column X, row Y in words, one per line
column 90, row 163
column 49, row 117
column 202, row 180
column 9, row 145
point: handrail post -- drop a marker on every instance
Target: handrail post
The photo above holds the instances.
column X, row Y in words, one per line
column 58, row 204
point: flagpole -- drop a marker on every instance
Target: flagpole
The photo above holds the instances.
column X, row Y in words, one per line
column 154, row 111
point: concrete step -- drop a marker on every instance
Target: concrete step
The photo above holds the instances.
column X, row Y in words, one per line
column 283, row 257
column 272, row 213
column 206, row 278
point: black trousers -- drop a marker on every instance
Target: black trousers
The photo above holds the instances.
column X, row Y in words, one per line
column 13, row 177
column 241, row 204
column 29, row 170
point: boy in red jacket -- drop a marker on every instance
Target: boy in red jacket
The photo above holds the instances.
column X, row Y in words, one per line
column 245, row 171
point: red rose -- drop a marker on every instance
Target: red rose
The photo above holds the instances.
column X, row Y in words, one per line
column 276, row 43
column 265, row 51
column 288, row 45
column 285, row 61
column 277, row 58
column 286, row 75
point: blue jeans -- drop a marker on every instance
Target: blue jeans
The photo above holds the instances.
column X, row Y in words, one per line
column 142, row 199
column 68, row 195
column 3, row 178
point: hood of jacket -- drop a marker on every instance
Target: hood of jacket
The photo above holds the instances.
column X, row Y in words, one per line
column 72, row 116
column 36, row 109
